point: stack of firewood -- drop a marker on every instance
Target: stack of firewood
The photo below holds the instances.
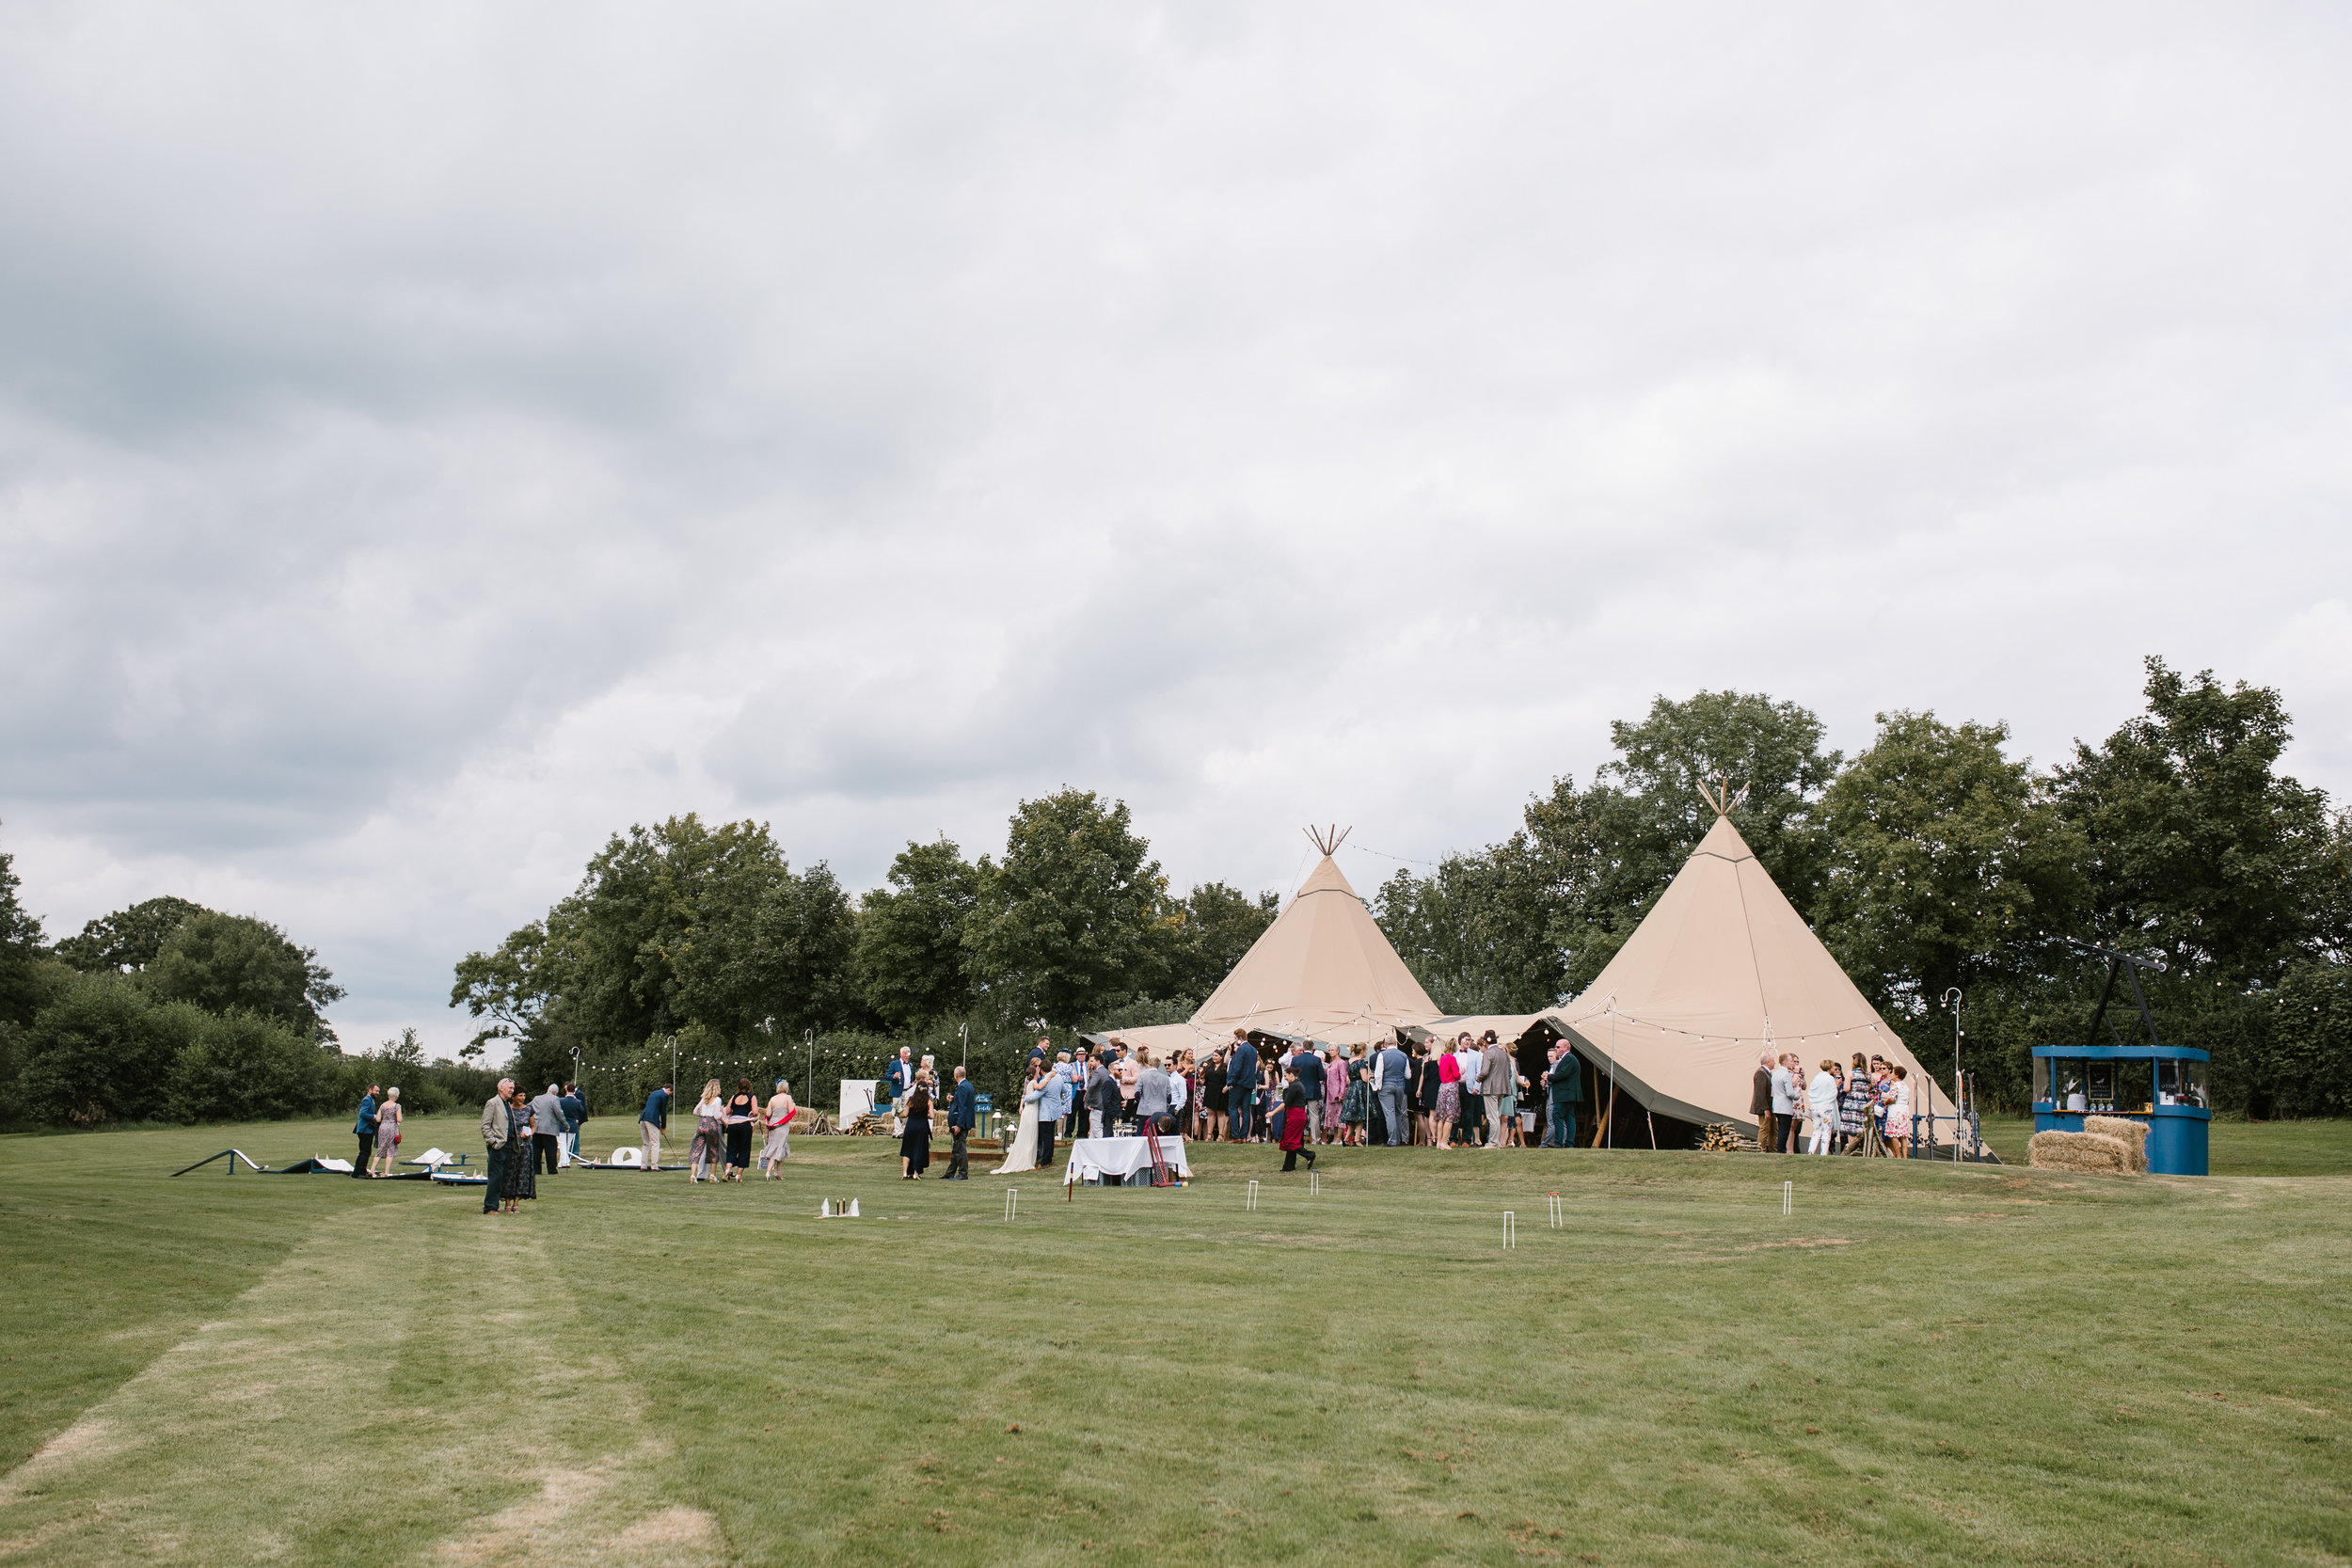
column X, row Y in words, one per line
column 1724, row 1138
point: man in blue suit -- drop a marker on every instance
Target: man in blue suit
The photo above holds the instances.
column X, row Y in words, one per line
column 1309, row 1070
column 963, row 1113
column 1241, row 1084
column 1563, row 1084
column 365, row 1128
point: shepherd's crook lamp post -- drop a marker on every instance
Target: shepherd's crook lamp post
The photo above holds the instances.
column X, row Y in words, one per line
column 1960, row 1117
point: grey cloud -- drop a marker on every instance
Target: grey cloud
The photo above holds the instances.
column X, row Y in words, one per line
column 423, row 451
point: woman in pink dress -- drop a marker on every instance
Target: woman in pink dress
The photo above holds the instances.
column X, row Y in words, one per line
column 1334, row 1093
column 1448, row 1095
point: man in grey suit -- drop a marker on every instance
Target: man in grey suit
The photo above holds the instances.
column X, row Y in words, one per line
column 1153, row 1101
column 1392, row 1070
column 547, row 1129
column 1497, row 1076
column 494, row 1141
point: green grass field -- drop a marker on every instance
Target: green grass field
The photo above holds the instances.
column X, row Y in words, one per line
column 1921, row 1365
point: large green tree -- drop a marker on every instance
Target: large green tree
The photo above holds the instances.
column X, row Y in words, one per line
column 19, row 949
column 2198, row 849
column 1075, row 920
column 1948, row 864
column 103, row 1052
column 1475, row 930
column 226, row 963
column 127, row 939
column 911, row 957
column 673, row 927
column 772, row 952
column 1601, row 855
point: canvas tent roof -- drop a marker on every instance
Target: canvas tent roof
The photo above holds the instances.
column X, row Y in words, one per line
column 1720, row 970
column 1323, row 971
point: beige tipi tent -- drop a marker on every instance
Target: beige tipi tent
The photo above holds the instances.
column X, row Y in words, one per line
column 1720, row 971
column 1323, row 971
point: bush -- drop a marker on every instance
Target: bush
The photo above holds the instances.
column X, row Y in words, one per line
column 243, row 1066
column 102, row 1052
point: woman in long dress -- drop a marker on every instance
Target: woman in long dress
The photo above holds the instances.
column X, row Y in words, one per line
column 1022, row 1155
column 386, row 1133
column 778, row 1148
column 522, row 1175
column 915, row 1144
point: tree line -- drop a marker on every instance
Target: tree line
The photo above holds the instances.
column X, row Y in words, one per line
column 699, row 944
column 169, row 1011
column 1930, row 862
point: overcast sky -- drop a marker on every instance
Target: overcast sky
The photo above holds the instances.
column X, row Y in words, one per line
column 433, row 437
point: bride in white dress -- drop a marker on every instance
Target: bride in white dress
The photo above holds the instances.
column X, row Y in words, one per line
column 1022, row 1154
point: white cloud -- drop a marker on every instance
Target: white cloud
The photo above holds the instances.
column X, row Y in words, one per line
column 429, row 444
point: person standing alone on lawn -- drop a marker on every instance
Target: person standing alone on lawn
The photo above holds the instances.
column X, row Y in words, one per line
column 365, row 1127
column 963, row 1113
column 496, row 1136
column 651, row 1123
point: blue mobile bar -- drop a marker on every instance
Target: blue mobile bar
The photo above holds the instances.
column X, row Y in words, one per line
column 2163, row 1085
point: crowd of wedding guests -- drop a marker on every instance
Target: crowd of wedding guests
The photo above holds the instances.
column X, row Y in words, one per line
column 1467, row 1094
column 1864, row 1108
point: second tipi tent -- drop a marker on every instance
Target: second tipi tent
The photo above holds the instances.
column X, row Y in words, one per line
column 1721, row 970
column 1323, row 971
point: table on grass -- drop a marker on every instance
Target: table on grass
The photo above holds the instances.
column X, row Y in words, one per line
column 1123, row 1157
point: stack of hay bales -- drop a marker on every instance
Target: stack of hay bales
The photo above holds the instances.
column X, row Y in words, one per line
column 2090, row 1153
column 2133, row 1134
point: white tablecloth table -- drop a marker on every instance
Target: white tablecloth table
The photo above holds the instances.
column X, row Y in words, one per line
column 1123, row 1157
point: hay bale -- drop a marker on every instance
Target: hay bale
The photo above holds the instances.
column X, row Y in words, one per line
column 2132, row 1135
column 2089, row 1153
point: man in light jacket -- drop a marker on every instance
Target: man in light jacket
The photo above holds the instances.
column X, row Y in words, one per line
column 1785, row 1092
column 1152, row 1101
column 494, row 1142
column 547, row 1129
column 1392, row 1073
column 1498, row 1077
